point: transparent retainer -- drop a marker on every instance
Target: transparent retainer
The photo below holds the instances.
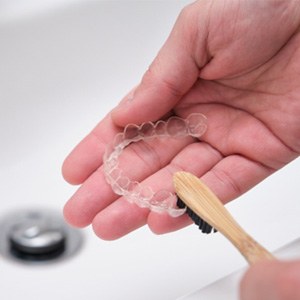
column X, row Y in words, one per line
column 161, row 201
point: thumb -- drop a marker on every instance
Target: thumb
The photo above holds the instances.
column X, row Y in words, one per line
column 272, row 280
column 171, row 74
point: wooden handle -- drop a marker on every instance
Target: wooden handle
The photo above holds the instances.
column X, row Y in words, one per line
column 199, row 198
column 253, row 251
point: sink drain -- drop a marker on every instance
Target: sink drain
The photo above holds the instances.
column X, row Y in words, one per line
column 37, row 235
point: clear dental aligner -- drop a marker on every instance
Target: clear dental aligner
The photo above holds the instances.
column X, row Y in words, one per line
column 161, row 201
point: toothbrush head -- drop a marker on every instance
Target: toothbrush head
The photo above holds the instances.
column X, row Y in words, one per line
column 203, row 226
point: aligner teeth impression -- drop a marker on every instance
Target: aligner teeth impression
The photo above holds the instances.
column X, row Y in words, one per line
column 161, row 201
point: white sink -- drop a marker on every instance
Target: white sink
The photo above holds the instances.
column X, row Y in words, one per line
column 228, row 286
column 63, row 66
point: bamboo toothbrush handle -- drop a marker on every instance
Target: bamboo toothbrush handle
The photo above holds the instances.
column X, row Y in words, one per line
column 200, row 199
column 253, row 251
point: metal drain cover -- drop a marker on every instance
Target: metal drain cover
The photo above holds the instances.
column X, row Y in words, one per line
column 37, row 235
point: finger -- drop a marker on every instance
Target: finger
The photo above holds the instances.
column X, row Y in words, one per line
column 172, row 73
column 235, row 175
column 121, row 217
column 139, row 160
column 95, row 194
column 87, row 155
column 228, row 178
column 234, row 131
column 272, row 280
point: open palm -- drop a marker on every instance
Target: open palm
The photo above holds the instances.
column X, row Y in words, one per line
column 239, row 64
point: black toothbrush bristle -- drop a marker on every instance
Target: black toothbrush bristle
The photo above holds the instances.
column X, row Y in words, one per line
column 203, row 226
column 180, row 203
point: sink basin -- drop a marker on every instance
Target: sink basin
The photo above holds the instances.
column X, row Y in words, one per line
column 63, row 66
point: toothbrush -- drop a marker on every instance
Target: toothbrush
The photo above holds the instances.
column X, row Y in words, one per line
column 203, row 204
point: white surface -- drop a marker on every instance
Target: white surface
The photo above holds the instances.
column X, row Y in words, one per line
column 62, row 68
column 229, row 285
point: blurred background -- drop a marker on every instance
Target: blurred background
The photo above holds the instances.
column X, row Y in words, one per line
column 63, row 65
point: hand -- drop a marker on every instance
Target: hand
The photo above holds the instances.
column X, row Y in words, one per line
column 237, row 62
column 272, row 281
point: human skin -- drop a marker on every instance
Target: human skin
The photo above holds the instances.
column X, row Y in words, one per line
column 237, row 62
column 272, row 281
